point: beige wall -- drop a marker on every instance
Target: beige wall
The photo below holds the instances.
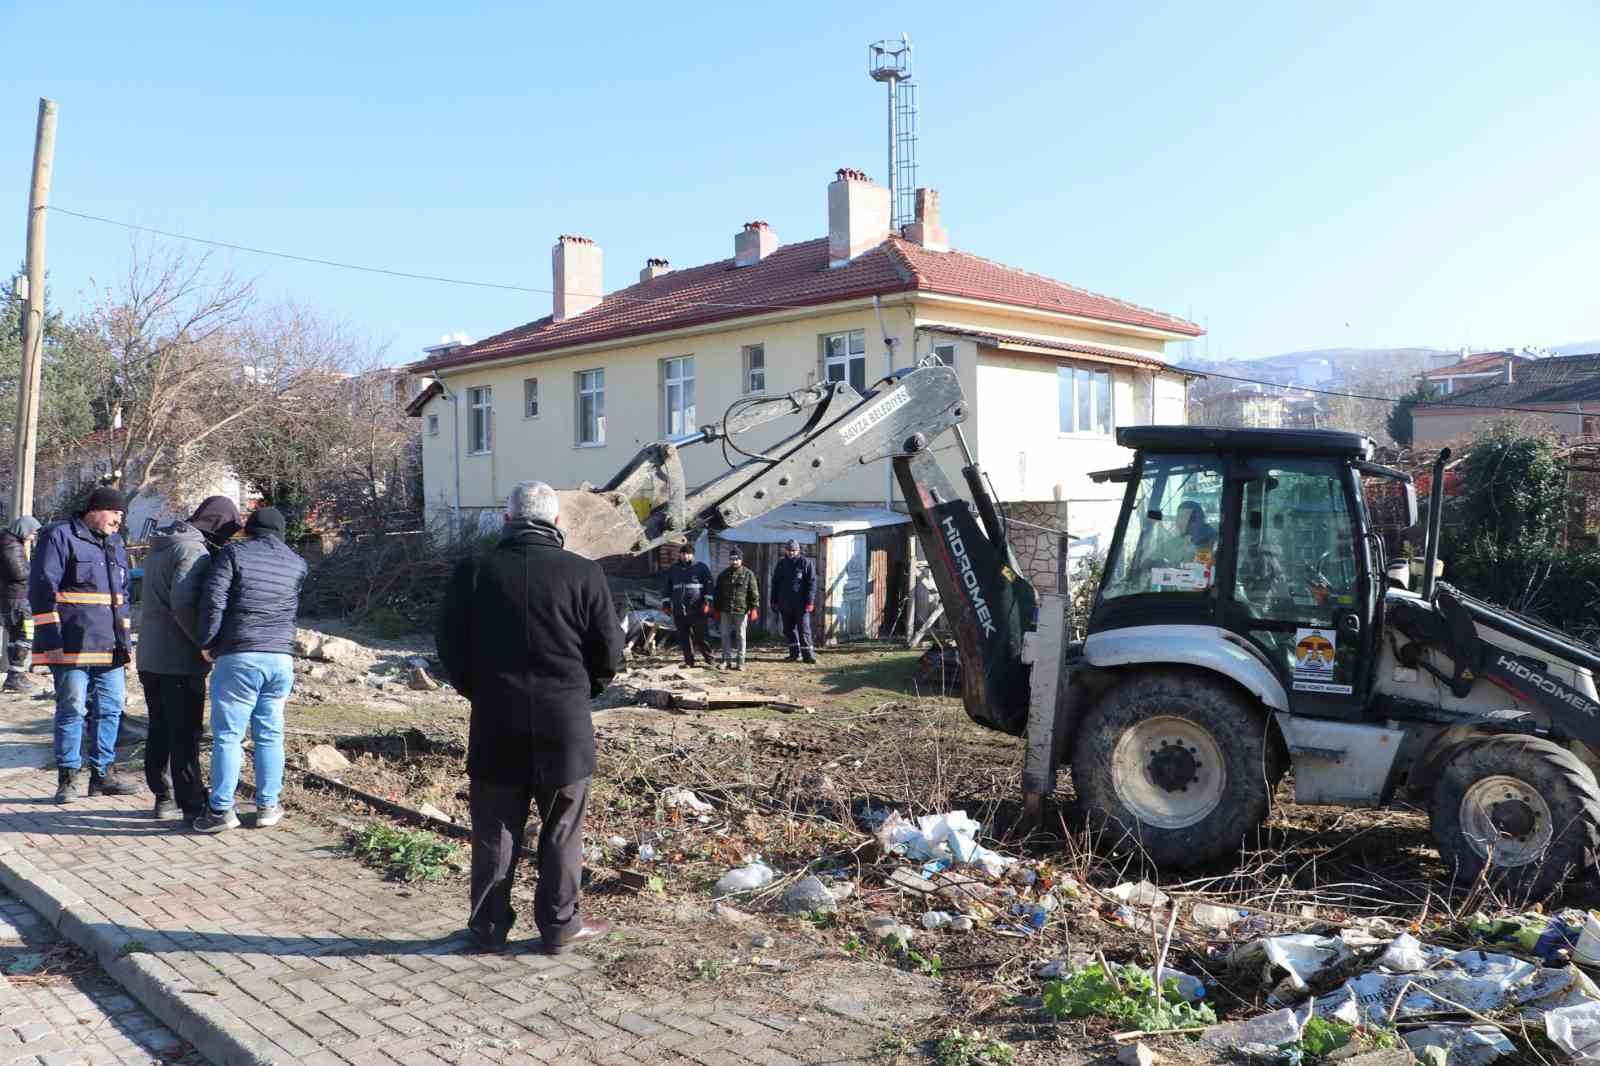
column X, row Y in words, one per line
column 1441, row 426
column 545, row 447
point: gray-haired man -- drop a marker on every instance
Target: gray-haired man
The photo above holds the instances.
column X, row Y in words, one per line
column 528, row 633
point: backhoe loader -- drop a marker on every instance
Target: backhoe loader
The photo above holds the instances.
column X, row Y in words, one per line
column 1245, row 624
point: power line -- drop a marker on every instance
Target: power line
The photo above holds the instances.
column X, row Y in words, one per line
column 1441, row 402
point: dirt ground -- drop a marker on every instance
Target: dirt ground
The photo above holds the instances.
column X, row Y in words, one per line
column 800, row 790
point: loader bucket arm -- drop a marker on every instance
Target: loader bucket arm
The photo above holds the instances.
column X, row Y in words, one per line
column 990, row 606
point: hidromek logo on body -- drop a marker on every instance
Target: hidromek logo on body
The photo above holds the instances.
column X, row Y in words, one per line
column 969, row 576
column 1576, row 700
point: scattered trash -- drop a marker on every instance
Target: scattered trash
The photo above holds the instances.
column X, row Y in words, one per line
column 935, row 920
column 809, row 895
column 908, row 880
column 1266, row 1030
column 885, row 927
column 1211, row 916
column 647, row 853
column 763, row 941
column 617, row 842
column 1461, row 1045
column 744, row 879
column 1140, row 894
column 950, row 836
column 1137, row 1055
column 961, row 923
column 1544, row 935
column 1287, row 963
column 675, row 798
column 433, row 812
column 1576, row 1030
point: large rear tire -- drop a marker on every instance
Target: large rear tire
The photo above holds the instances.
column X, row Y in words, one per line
column 1524, row 807
column 1178, row 760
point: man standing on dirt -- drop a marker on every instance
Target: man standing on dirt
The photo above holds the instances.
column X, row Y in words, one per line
column 246, row 631
column 17, row 618
column 171, row 668
column 529, row 634
column 794, row 587
column 688, row 589
column 737, row 599
column 78, row 591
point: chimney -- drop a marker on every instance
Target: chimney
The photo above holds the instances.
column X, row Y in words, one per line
column 754, row 244
column 858, row 216
column 1511, row 375
column 654, row 268
column 575, row 268
column 927, row 230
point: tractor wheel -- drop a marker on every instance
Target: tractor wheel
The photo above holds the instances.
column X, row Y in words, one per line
column 1526, row 808
column 1178, row 760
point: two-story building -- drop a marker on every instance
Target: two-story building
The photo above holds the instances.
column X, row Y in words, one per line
column 1051, row 370
column 1559, row 396
column 1472, row 371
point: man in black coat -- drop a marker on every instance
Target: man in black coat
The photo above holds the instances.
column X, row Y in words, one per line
column 688, row 588
column 15, row 614
column 528, row 633
column 794, row 592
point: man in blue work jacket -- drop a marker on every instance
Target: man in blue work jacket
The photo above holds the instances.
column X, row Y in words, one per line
column 794, row 595
column 78, row 591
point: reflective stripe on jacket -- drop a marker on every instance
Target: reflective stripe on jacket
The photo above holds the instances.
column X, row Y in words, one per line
column 78, row 590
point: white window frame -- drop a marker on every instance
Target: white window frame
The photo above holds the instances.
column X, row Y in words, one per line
column 854, row 342
column 945, row 352
column 749, row 383
column 677, row 395
column 433, row 425
column 1072, row 373
column 480, row 412
column 530, row 397
column 590, row 383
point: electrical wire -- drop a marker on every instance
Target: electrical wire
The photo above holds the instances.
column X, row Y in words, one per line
column 679, row 301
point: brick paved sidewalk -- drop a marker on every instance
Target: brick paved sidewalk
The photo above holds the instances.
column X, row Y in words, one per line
column 59, row 1007
column 274, row 946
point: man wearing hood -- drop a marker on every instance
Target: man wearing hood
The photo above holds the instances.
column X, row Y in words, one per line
column 246, row 631
column 529, row 634
column 171, row 668
column 15, row 614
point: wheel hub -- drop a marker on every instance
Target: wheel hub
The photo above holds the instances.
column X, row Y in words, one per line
column 1172, row 767
column 1506, row 820
column 1168, row 772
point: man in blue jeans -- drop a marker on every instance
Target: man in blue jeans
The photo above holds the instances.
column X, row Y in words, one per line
column 78, row 592
column 246, row 630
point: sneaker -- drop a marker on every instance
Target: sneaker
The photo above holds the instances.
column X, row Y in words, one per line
column 216, row 822
column 592, row 929
column 166, row 809
column 19, row 682
column 267, row 817
column 109, row 784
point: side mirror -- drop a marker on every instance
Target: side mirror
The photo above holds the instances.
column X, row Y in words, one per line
column 1410, row 490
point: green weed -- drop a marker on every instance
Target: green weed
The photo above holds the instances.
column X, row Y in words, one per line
column 1130, row 1000
column 708, row 969
column 408, row 855
column 957, row 1048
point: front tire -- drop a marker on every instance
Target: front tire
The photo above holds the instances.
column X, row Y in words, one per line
column 1180, row 761
column 1524, row 807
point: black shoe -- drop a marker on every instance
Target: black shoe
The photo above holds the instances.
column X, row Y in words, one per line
column 69, row 785
column 592, row 929
column 19, row 682
column 109, row 784
column 810, row 659
column 792, row 659
column 166, row 809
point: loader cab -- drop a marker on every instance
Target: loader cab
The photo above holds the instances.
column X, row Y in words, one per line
column 1255, row 537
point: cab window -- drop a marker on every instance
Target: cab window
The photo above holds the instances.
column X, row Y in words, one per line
column 1169, row 544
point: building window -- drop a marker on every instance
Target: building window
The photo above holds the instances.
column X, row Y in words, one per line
column 755, row 368
column 591, row 407
column 945, row 353
column 530, row 397
column 1085, row 400
column 844, row 358
column 433, row 425
column 677, row 396
column 480, row 420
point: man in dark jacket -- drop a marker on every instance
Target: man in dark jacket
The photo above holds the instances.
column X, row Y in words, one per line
column 688, row 588
column 529, row 634
column 15, row 614
column 794, row 589
column 737, row 600
column 171, row 668
column 246, row 631
column 78, row 591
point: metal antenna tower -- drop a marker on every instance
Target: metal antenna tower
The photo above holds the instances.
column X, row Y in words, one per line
column 890, row 63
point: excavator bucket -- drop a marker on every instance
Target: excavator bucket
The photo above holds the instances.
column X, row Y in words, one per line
column 598, row 524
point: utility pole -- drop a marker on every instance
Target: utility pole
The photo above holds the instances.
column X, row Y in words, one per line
column 44, row 151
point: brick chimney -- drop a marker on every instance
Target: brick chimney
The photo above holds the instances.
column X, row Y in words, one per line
column 753, row 244
column 654, row 268
column 927, row 230
column 575, row 266
column 858, row 216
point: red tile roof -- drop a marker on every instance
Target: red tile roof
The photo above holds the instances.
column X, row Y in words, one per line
column 798, row 275
column 1476, row 364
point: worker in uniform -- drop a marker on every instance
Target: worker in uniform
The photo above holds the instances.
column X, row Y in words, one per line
column 15, row 542
column 737, row 601
column 794, row 589
column 688, row 588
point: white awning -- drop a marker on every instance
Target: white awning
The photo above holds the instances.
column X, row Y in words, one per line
column 805, row 522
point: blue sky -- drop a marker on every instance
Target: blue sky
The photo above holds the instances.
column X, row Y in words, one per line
column 1291, row 175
